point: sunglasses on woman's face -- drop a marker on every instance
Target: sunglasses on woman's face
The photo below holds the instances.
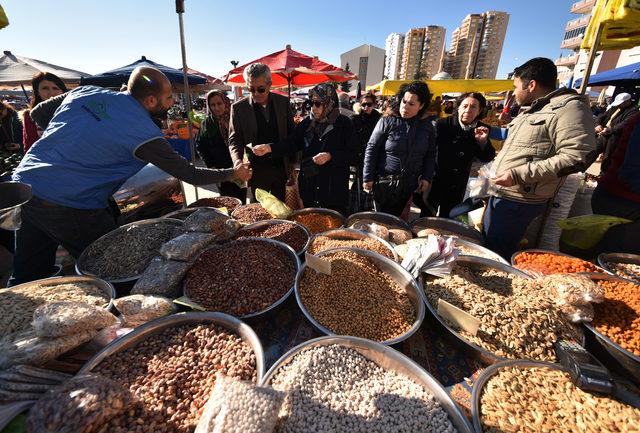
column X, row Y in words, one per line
column 257, row 89
column 366, row 104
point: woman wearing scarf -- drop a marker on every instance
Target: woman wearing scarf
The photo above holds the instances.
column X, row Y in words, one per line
column 327, row 141
column 213, row 139
column 460, row 138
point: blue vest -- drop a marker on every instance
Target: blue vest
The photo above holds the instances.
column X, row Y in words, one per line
column 87, row 150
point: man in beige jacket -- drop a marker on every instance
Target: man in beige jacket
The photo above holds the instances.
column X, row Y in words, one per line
column 551, row 138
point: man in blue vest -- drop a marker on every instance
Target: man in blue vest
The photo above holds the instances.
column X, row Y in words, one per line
column 94, row 140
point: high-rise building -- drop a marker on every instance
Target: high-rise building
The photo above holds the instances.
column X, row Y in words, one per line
column 412, row 53
column 367, row 62
column 393, row 56
column 476, row 46
column 432, row 51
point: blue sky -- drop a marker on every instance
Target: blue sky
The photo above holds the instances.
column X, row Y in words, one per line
column 95, row 36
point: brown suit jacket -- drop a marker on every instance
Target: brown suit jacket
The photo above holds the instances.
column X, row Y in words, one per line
column 243, row 128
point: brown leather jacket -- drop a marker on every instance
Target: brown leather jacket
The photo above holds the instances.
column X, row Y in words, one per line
column 548, row 141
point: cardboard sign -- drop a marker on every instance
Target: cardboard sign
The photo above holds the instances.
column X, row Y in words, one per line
column 458, row 317
column 185, row 301
column 318, row 264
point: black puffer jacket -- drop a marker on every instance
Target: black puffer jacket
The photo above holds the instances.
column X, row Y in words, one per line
column 391, row 143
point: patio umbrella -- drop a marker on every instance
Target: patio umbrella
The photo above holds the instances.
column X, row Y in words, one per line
column 291, row 68
column 211, row 83
column 116, row 77
column 18, row 71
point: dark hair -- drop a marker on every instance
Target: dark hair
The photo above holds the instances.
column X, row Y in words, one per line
column 39, row 78
column 540, row 69
column 478, row 97
column 418, row 88
column 369, row 95
column 8, row 107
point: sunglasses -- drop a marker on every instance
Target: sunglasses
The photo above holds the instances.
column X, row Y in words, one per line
column 366, row 104
column 257, row 89
column 316, row 104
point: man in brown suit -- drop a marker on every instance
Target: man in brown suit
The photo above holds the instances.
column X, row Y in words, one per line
column 263, row 117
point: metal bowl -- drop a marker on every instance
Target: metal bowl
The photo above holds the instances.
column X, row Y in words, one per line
column 534, row 250
column 628, row 360
column 461, row 229
column 491, row 371
column 287, row 249
column 321, row 211
column 236, row 200
column 381, row 217
column 266, row 223
column 12, row 196
column 388, row 359
column 605, row 258
column 481, row 353
column 355, row 235
column 81, row 262
column 156, row 326
column 486, row 251
column 106, row 287
column 394, row 270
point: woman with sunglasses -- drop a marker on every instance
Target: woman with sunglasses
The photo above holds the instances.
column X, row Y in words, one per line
column 401, row 153
column 363, row 124
column 327, row 141
column 44, row 85
column 212, row 142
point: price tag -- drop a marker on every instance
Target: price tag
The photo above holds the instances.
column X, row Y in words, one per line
column 249, row 146
column 185, row 301
column 318, row 264
column 458, row 317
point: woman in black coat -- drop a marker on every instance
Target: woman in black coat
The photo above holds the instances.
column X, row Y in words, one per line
column 327, row 141
column 461, row 138
column 402, row 147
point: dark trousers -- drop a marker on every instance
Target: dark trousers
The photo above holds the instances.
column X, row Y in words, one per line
column 622, row 238
column 231, row 189
column 272, row 179
column 505, row 222
column 45, row 226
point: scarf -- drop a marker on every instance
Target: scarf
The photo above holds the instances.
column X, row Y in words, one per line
column 223, row 121
column 329, row 97
column 468, row 127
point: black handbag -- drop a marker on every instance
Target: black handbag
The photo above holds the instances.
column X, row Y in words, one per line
column 391, row 187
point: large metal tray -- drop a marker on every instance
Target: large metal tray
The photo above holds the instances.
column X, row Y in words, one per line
column 387, row 358
column 183, row 214
column 449, row 225
column 81, row 262
column 628, row 360
column 287, row 249
column 605, row 258
column 12, row 196
column 381, row 217
column 534, row 250
column 355, row 235
column 319, row 210
column 154, row 327
column 491, row 371
column 266, row 223
column 486, row 251
column 481, row 353
column 394, row 270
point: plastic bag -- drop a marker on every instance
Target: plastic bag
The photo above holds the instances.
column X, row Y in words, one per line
column 139, row 309
column 205, row 221
column 162, row 277
column 240, row 407
column 482, row 186
column 578, row 313
column 572, row 289
column 57, row 319
column 275, row 207
column 373, row 228
column 81, row 404
column 586, row 231
column 186, row 247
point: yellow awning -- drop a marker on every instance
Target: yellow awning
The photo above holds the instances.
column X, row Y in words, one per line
column 621, row 19
column 438, row 87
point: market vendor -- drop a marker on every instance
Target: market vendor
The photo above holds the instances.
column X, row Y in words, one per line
column 94, row 140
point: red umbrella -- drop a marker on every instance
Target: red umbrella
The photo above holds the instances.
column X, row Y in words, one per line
column 291, row 68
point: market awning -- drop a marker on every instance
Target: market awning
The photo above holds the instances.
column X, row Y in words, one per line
column 18, row 70
column 116, row 77
column 622, row 76
column 438, row 87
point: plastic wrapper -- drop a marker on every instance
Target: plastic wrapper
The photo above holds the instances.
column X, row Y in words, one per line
column 205, row 221
column 572, row 289
column 58, row 319
column 578, row 313
column 240, row 407
column 162, row 278
column 275, row 207
column 139, row 309
column 107, row 335
column 80, row 405
column 482, row 186
column 586, row 231
column 27, row 348
column 186, row 247
column 373, row 228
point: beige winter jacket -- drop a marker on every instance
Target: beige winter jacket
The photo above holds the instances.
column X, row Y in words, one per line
column 546, row 142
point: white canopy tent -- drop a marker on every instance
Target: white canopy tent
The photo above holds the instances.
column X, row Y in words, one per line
column 16, row 71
